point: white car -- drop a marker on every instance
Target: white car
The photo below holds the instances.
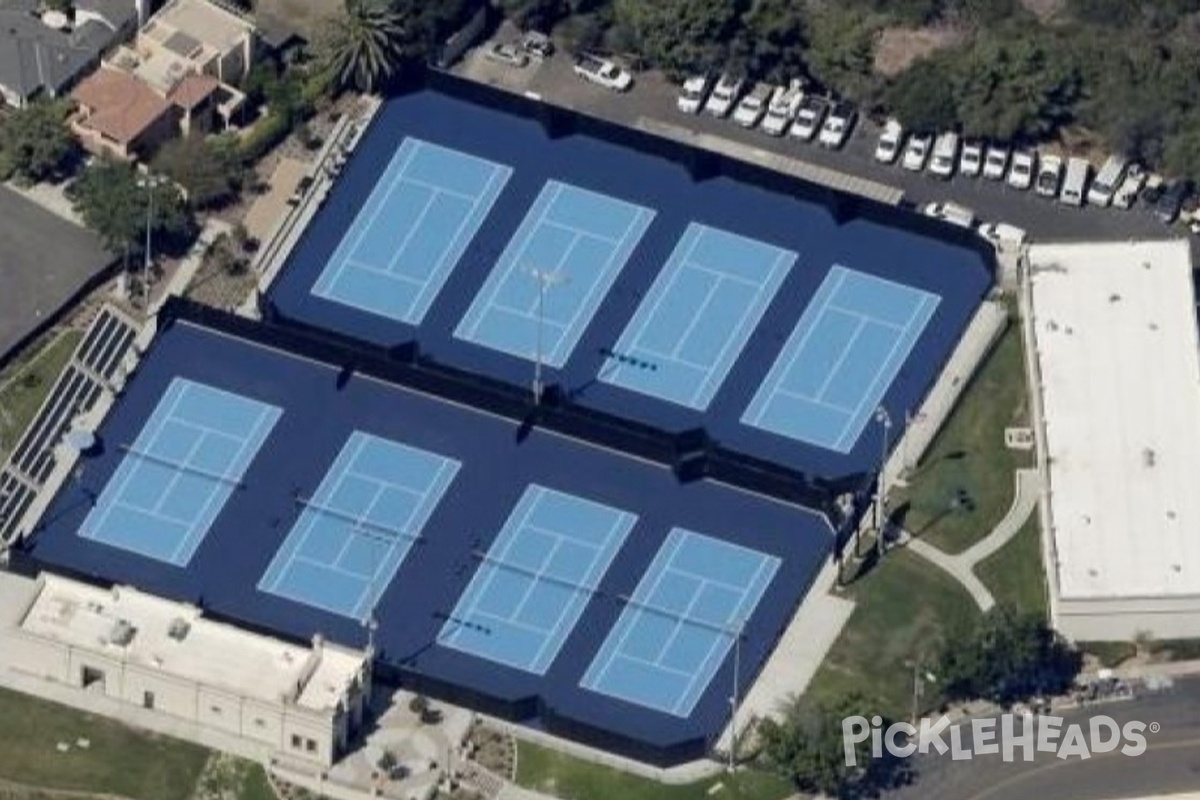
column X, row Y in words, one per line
column 971, row 162
column 507, row 53
column 602, row 72
column 808, row 118
column 945, row 155
column 995, row 163
column 1024, row 167
column 785, row 102
column 916, row 152
column 1049, row 176
column 1135, row 178
column 890, row 141
column 950, row 212
column 753, row 106
column 693, row 93
column 726, row 93
column 838, row 125
column 1002, row 234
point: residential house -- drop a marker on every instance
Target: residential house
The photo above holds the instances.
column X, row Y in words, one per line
column 178, row 76
column 44, row 53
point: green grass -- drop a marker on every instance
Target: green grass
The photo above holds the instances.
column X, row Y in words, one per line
column 1015, row 574
column 904, row 606
column 1109, row 654
column 969, row 454
column 571, row 778
column 27, row 384
column 120, row 760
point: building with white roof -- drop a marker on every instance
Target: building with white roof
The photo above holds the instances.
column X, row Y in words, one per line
column 219, row 683
column 1113, row 331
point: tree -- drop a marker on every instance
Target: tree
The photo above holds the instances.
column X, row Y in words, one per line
column 365, row 46
column 1007, row 658
column 680, row 35
column 807, row 748
column 208, row 168
column 36, row 143
column 842, row 50
column 113, row 204
column 924, row 97
column 774, row 38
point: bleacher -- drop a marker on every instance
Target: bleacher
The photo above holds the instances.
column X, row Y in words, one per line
column 95, row 365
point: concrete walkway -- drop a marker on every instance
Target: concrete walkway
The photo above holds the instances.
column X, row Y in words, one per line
column 962, row 565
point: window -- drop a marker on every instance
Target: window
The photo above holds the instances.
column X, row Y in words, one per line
column 215, row 709
column 310, row 745
column 297, row 742
column 147, row 699
column 260, row 723
column 91, row 677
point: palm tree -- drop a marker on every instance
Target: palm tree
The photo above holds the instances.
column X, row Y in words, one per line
column 364, row 46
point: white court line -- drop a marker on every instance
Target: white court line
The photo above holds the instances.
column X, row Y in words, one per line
column 383, row 201
column 836, row 369
column 362, row 266
column 812, row 400
column 414, row 226
column 436, row 189
column 580, row 233
column 655, row 666
column 866, row 317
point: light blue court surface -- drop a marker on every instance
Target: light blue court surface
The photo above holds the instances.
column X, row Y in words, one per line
column 564, row 258
column 835, row 368
column 681, row 622
column 177, row 475
column 353, row 534
column 698, row 315
column 403, row 244
column 536, row 579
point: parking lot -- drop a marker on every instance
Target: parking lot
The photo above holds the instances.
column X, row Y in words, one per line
column 651, row 102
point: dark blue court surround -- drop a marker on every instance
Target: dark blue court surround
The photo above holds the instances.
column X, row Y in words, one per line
column 891, row 243
column 323, row 408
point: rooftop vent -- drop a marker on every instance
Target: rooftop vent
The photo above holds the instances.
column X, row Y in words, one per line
column 122, row 633
column 179, row 629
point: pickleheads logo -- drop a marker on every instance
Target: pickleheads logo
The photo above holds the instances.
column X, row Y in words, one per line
column 1026, row 733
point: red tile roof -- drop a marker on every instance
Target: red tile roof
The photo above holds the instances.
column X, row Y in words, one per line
column 122, row 107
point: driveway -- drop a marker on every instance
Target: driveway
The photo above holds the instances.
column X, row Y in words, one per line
column 653, row 98
column 45, row 262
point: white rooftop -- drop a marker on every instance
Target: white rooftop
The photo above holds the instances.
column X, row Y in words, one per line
column 1116, row 336
column 207, row 652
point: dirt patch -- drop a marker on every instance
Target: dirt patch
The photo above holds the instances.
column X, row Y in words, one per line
column 1044, row 10
column 896, row 49
column 305, row 17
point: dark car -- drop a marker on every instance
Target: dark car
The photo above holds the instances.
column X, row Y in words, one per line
column 1170, row 202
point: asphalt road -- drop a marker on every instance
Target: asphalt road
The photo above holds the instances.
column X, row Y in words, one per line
column 1171, row 762
column 653, row 97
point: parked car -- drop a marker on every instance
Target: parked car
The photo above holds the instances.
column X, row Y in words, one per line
column 1049, row 176
column 507, row 53
column 724, row 95
column 916, row 152
column 602, row 72
column 809, row 117
column 838, row 125
column 970, row 163
column 995, row 162
column 785, row 102
column 945, row 155
column 1155, row 186
column 1168, row 206
column 1074, row 187
column 1001, row 233
column 753, row 106
column 537, row 44
column 950, row 212
column 1135, row 178
column 1107, row 181
column 891, row 140
column 1024, row 167
column 693, row 93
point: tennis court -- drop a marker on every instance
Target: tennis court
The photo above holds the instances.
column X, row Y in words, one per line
column 355, row 532
column 175, row 478
column 692, row 325
column 835, row 368
column 536, row 579
column 554, row 273
column 681, row 622
column 406, row 239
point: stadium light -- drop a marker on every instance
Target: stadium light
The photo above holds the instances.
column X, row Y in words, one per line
column 885, row 422
column 737, row 630
column 545, row 280
column 149, row 182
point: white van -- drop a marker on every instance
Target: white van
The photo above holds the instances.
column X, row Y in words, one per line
column 1075, row 183
column 950, row 212
column 1108, row 180
column 945, row 155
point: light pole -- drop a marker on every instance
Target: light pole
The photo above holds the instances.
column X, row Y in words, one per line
column 885, row 423
column 149, row 182
column 545, row 280
column 736, row 630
